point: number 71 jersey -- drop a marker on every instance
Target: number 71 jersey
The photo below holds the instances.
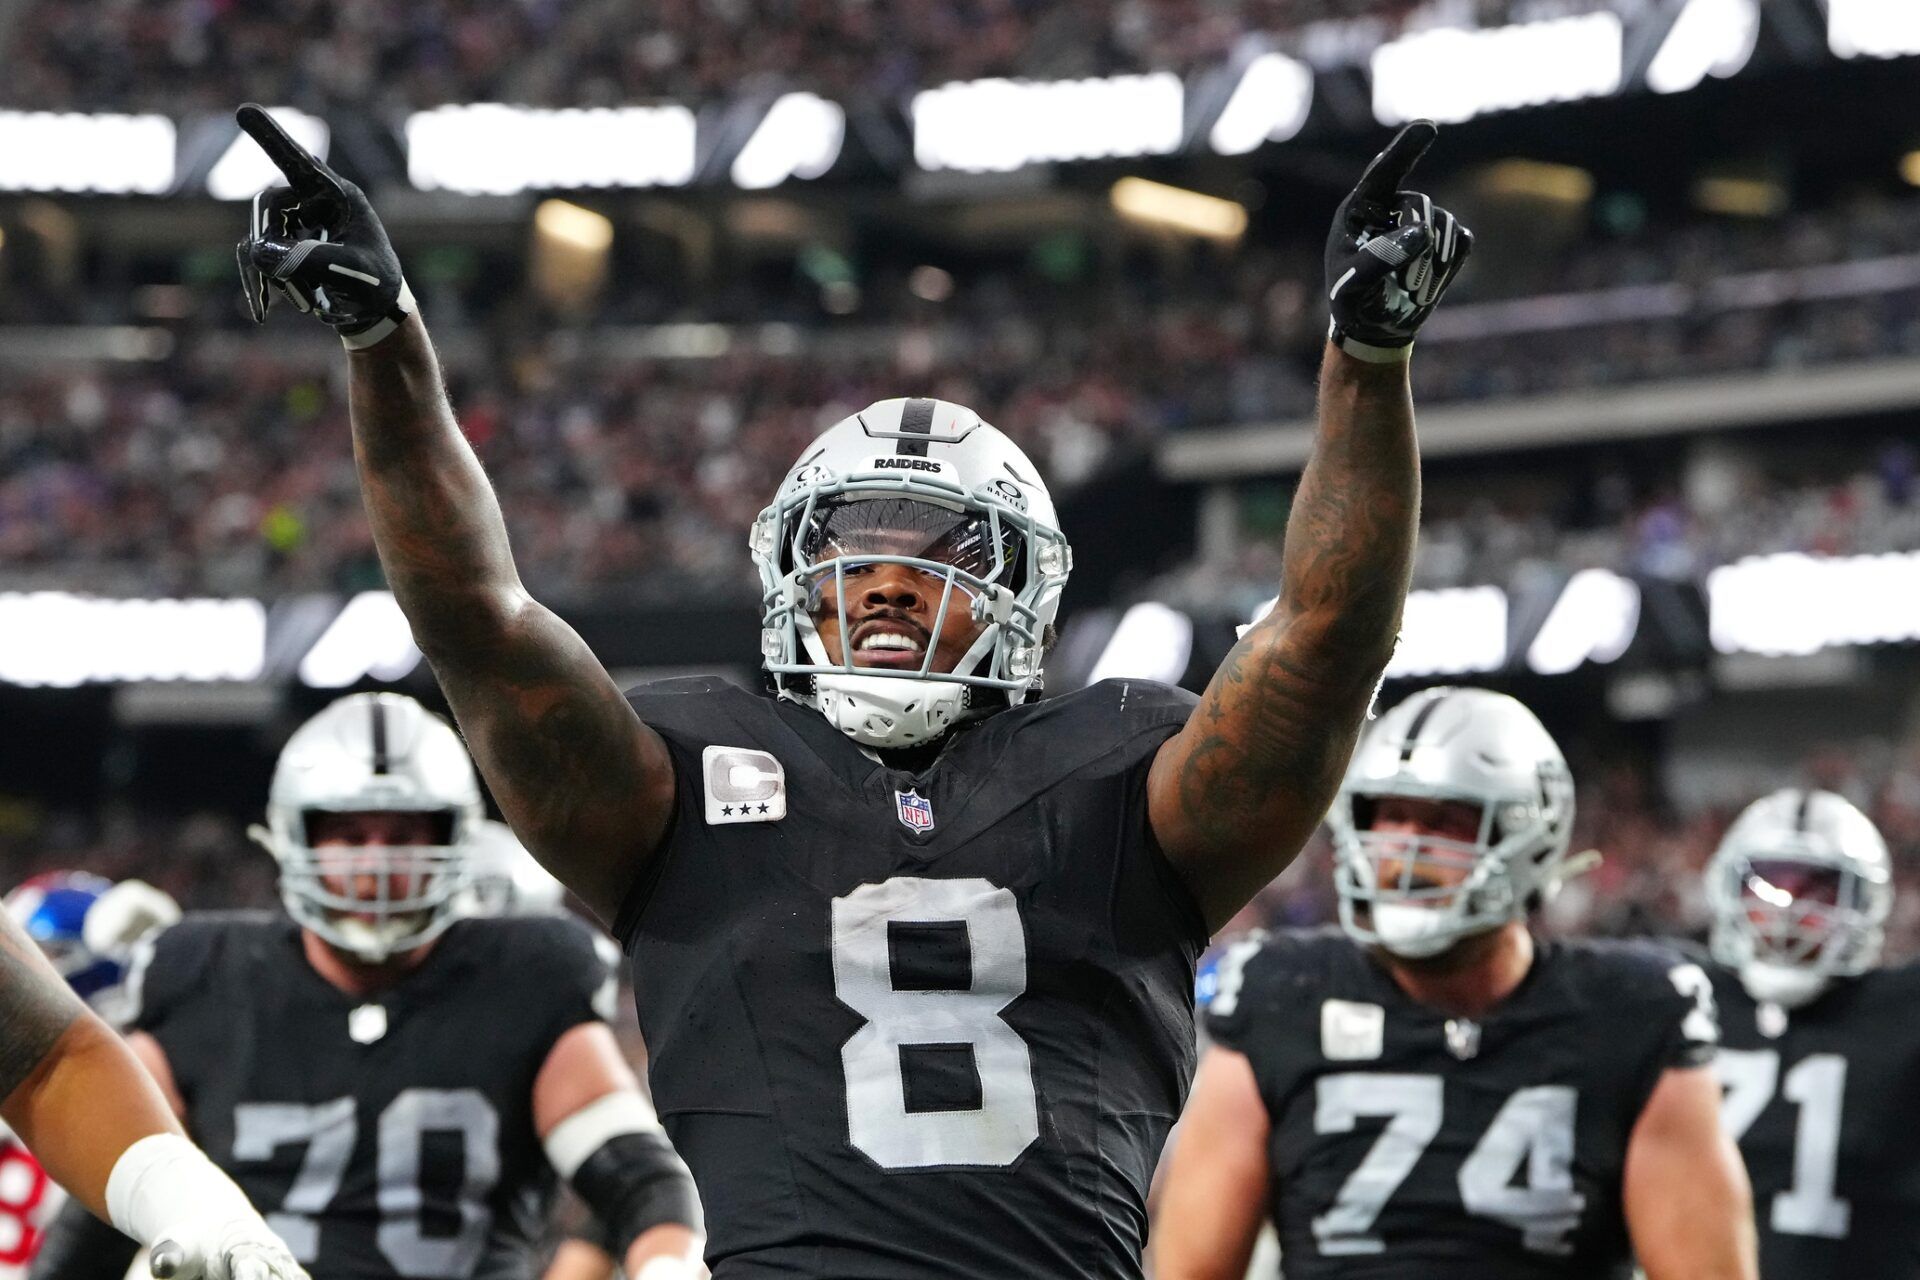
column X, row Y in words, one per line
column 1825, row 1104
column 1406, row 1145
column 908, row 1026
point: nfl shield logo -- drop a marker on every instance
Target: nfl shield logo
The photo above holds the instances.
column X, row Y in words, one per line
column 915, row 810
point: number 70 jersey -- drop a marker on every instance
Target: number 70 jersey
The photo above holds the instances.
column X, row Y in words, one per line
column 1406, row 1145
column 915, row 1025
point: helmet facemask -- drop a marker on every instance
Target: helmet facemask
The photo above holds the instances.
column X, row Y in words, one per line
column 977, row 551
column 1792, row 921
column 1419, row 894
column 372, row 901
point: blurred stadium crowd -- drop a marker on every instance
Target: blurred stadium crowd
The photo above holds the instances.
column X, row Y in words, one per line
column 189, row 55
column 227, row 471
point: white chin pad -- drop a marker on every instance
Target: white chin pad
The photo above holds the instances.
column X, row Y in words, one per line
column 1786, row 985
column 1414, row 932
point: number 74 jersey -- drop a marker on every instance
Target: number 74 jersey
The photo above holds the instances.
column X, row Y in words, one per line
column 916, row 1025
column 1825, row 1104
column 1406, row 1145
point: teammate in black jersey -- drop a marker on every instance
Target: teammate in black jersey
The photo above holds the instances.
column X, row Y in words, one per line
column 394, row 1082
column 1821, row 1059
column 1438, row 1094
column 913, row 950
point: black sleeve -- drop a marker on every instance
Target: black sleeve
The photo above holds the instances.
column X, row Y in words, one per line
column 1687, row 1015
column 570, row 972
column 165, row 970
column 78, row 1246
column 1244, row 985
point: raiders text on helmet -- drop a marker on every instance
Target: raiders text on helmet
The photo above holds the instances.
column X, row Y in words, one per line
column 941, row 461
column 1786, row 942
column 374, row 753
column 1470, row 745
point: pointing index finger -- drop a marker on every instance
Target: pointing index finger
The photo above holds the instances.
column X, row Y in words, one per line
column 304, row 173
column 1390, row 168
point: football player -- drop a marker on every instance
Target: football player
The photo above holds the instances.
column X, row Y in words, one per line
column 1822, row 1053
column 75, row 1095
column 396, row 1080
column 1438, row 1093
column 913, row 949
column 85, row 925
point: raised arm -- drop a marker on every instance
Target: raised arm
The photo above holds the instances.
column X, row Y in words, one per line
column 587, row 787
column 1238, row 790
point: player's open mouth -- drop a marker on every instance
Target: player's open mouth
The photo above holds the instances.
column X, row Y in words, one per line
column 893, row 644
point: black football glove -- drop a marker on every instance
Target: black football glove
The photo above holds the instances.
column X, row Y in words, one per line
column 1391, row 255
column 319, row 243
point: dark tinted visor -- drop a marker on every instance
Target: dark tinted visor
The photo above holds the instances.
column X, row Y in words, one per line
column 1781, row 882
column 906, row 527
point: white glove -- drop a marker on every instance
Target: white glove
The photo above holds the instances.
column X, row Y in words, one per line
column 124, row 914
column 166, row 1194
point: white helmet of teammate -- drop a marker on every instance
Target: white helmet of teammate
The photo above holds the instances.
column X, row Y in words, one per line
column 1800, row 890
column 506, row 880
column 373, row 753
column 1472, row 746
column 923, row 483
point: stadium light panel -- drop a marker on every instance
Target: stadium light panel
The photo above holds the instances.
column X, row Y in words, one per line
column 1910, row 168
column 490, row 149
column 1454, row 631
column 369, row 638
column 1153, row 641
column 1709, row 38
column 1873, row 28
column 243, row 170
column 997, row 126
column 1794, row 604
column 1177, row 209
column 111, row 154
column 1451, row 74
column 1270, row 104
column 1740, row 197
column 1538, row 180
column 1593, row 620
column 1447, row 632
column 574, row 226
column 59, row 639
column 800, row 137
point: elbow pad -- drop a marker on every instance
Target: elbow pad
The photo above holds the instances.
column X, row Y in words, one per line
column 619, row 1161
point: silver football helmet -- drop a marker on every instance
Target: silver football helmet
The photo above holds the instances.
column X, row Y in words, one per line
column 1418, row 895
column 1800, row 890
column 927, row 484
column 506, row 880
column 373, row 753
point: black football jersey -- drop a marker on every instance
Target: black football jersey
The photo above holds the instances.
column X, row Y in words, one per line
column 1407, row 1145
column 383, row 1137
column 914, row 1025
column 1825, row 1104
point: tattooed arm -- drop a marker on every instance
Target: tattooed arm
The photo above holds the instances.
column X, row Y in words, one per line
column 587, row 787
column 1235, row 793
column 68, row 1086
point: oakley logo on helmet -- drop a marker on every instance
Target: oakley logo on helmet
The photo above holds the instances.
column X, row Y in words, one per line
column 1009, row 492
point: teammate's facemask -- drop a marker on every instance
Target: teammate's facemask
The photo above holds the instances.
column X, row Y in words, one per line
column 1417, row 894
column 1800, row 890
column 363, row 893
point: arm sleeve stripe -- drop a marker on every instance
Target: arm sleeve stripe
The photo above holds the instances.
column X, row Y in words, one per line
column 584, row 1132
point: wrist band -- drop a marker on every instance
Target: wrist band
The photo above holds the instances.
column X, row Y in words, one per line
column 403, row 306
column 1367, row 351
